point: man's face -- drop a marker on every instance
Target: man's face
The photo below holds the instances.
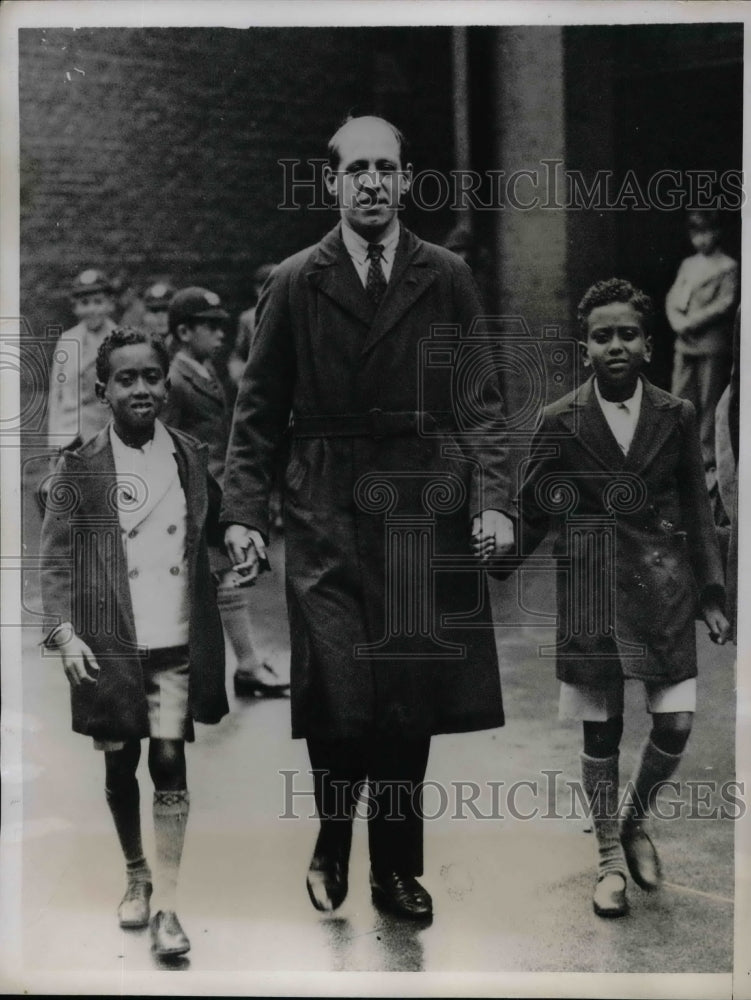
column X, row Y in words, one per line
column 617, row 346
column 370, row 182
column 92, row 309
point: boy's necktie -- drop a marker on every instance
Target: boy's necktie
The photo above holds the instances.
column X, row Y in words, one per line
column 375, row 284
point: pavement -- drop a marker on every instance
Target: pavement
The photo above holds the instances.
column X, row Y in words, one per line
column 512, row 895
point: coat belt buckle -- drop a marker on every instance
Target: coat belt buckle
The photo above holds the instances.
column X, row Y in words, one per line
column 376, row 423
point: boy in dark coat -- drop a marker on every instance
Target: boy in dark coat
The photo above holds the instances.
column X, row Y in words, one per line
column 197, row 404
column 617, row 463
column 125, row 576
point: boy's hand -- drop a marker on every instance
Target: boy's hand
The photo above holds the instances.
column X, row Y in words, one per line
column 246, row 549
column 77, row 657
column 492, row 534
column 719, row 626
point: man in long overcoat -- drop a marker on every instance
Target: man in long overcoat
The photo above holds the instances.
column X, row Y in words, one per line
column 396, row 490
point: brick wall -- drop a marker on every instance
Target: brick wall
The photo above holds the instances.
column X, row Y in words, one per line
column 154, row 151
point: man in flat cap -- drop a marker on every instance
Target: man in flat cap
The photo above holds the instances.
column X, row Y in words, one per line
column 377, row 668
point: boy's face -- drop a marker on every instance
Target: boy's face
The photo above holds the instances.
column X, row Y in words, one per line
column 202, row 340
column 704, row 240
column 93, row 309
column 617, row 346
column 136, row 390
column 156, row 321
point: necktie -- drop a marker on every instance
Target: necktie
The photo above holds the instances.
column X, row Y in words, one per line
column 375, row 284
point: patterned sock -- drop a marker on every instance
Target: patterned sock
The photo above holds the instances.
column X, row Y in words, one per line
column 600, row 780
column 170, row 819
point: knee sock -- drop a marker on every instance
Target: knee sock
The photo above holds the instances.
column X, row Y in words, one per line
column 653, row 767
column 124, row 803
column 600, row 780
column 235, row 613
column 170, row 819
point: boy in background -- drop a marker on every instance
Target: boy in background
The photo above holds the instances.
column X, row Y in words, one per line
column 126, row 582
column 74, row 412
column 198, row 405
column 700, row 308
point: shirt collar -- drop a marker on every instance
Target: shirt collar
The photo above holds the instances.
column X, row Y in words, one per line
column 357, row 247
column 631, row 404
column 161, row 443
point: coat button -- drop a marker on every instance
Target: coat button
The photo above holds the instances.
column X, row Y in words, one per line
column 132, row 534
column 172, row 529
column 133, row 574
column 174, row 570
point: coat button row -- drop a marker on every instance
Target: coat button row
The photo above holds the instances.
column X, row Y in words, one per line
column 170, row 531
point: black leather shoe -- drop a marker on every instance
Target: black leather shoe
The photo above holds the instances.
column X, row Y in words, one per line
column 168, row 939
column 401, row 894
column 262, row 683
column 327, row 883
column 641, row 857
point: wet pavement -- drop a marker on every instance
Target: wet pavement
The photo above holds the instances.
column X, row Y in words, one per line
column 511, row 895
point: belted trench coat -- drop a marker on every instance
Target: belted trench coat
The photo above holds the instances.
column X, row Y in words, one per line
column 391, row 454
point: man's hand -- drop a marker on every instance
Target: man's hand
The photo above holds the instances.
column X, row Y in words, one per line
column 719, row 626
column 492, row 534
column 79, row 662
column 246, row 549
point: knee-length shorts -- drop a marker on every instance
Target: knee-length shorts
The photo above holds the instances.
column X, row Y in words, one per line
column 165, row 678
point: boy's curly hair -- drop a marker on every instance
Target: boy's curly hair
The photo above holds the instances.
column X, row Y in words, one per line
column 124, row 336
column 602, row 293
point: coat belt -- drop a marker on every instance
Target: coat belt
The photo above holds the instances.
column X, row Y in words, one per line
column 376, row 423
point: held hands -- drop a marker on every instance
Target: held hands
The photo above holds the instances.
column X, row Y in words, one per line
column 719, row 626
column 246, row 549
column 492, row 534
column 79, row 662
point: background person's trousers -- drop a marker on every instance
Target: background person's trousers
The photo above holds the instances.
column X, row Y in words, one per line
column 395, row 769
column 701, row 378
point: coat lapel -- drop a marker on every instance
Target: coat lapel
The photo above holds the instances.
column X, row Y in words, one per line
column 212, row 389
column 98, row 480
column 411, row 275
column 589, row 424
column 334, row 274
column 652, row 430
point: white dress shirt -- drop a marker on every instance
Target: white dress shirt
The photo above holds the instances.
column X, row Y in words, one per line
column 357, row 248
column 152, row 512
column 622, row 417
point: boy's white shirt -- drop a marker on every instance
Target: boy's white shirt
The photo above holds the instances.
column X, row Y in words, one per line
column 152, row 513
column 622, row 417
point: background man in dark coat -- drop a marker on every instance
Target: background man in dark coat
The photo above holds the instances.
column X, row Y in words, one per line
column 393, row 462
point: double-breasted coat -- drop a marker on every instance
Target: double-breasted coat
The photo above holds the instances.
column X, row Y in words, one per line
column 85, row 581
column 375, row 496
column 636, row 548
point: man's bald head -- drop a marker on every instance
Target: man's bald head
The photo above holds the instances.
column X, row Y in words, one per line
column 365, row 124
